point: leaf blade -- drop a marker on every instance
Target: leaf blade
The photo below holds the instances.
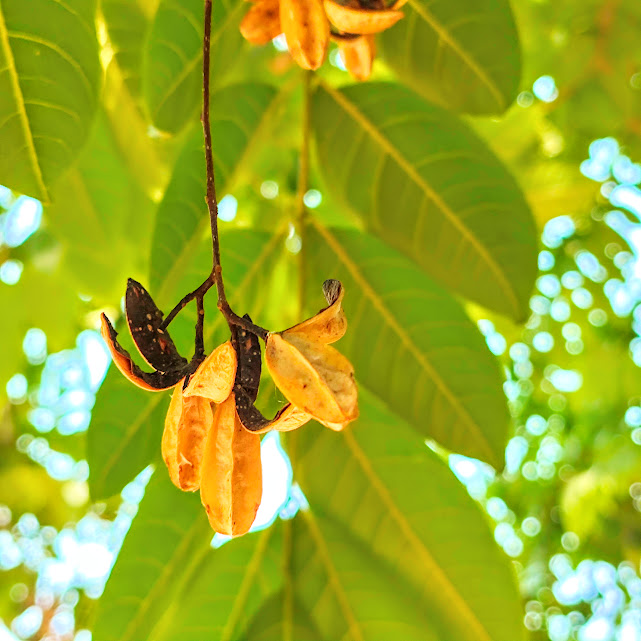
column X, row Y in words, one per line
column 167, row 571
column 399, row 501
column 171, row 64
column 464, row 56
column 412, row 188
column 49, row 84
column 424, row 358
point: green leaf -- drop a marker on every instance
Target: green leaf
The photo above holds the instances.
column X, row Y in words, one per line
column 42, row 298
column 127, row 28
column 169, row 584
column 143, row 154
column 427, row 185
column 172, row 75
column 127, row 422
column 96, row 208
column 462, row 55
column 237, row 115
column 282, row 617
column 405, row 509
column 411, row 343
column 393, row 548
column 49, row 84
column 347, row 591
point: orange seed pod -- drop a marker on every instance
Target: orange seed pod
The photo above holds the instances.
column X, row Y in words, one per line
column 358, row 20
column 188, row 421
column 314, row 377
column 214, row 378
column 231, row 484
column 306, row 30
column 358, row 56
column 262, row 22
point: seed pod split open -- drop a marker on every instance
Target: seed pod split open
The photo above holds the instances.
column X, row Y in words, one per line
column 262, row 22
column 330, row 323
column 358, row 55
column 231, row 483
column 145, row 320
column 214, row 378
column 252, row 419
column 246, row 390
column 314, row 377
column 151, row 381
column 187, row 424
column 306, row 30
column 359, row 20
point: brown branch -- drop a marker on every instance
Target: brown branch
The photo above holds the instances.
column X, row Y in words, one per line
column 216, row 275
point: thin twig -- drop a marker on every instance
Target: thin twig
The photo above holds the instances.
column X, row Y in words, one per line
column 212, row 203
column 303, row 185
column 216, row 275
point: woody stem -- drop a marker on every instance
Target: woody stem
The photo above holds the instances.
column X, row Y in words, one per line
column 303, row 185
column 216, row 275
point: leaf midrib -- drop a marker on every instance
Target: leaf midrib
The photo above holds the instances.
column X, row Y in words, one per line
column 466, row 57
column 184, row 552
column 5, row 45
column 407, row 342
column 190, row 66
column 332, row 575
column 446, row 592
column 387, row 147
column 196, row 565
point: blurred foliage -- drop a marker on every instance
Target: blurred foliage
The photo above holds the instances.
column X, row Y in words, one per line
column 432, row 188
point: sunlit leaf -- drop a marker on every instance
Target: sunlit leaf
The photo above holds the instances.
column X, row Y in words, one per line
column 49, row 84
column 424, row 183
column 127, row 28
column 237, row 113
column 462, row 55
column 348, row 592
column 411, row 343
column 413, row 521
column 172, row 74
column 281, row 617
column 96, row 207
column 130, row 128
column 169, row 584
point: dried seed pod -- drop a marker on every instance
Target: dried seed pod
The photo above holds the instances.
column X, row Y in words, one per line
column 314, row 377
column 195, row 422
column 249, row 364
column 361, row 21
column 145, row 320
column 306, row 30
column 214, row 378
column 169, row 443
column 262, row 22
column 288, row 418
column 358, row 56
column 151, row 381
column 246, row 391
column 187, row 424
column 330, row 323
column 231, row 483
